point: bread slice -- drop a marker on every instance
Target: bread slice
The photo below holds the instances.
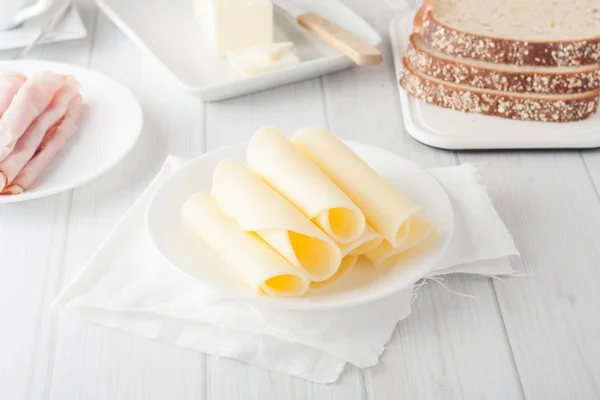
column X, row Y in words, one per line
column 519, row 32
column 520, row 106
column 510, row 78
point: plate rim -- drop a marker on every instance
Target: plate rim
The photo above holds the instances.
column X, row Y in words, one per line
column 296, row 303
column 139, row 116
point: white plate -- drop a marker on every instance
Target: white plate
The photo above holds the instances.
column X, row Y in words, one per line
column 447, row 129
column 167, row 31
column 187, row 253
column 71, row 27
column 109, row 128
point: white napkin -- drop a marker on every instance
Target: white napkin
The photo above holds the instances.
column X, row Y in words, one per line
column 126, row 285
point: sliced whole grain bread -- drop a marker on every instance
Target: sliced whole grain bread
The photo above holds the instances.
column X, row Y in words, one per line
column 519, row 32
column 519, row 106
column 504, row 77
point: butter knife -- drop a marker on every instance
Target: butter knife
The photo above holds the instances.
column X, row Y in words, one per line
column 345, row 42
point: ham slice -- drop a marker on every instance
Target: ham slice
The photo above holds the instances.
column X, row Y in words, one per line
column 28, row 144
column 10, row 83
column 53, row 143
column 30, row 101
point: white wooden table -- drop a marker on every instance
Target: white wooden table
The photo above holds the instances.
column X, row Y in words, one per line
column 530, row 338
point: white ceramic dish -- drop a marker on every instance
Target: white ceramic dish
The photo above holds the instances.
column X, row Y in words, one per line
column 167, row 31
column 109, row 128
column 447, row 129
column 71, row 27
column 187, row 253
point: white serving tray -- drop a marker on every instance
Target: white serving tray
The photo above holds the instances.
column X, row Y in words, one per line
column 168, row 32
column 447, row 129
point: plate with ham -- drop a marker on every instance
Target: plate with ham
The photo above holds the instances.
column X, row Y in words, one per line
column 60, row 126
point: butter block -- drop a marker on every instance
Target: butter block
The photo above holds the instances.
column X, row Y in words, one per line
column 250, row 67
column 262, row 58
column 260, row 53
column 235, row 24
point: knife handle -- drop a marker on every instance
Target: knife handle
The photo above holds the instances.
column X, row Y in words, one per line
column 351, row 46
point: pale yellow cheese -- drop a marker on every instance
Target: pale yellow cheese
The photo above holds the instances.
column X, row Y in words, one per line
column 262, row 58
column 235, row 24
column 250, row 67
column 256, row 207
column 347, row 266
column 419, row 230
column 370, row 240
column 384, row 206
column 261, row 267
column 261, row 53
column 283, row 167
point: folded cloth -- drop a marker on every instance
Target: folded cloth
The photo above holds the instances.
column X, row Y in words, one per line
column 126, row 285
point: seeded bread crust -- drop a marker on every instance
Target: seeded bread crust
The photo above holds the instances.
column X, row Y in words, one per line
column 488, row 76
column 504, row 51
column 543, row 108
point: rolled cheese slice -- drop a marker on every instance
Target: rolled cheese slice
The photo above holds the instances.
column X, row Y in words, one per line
column 346, row 267
column 384, row 206
column 256, row 207
column 419, row 230
column 369, row 241
column 261, row 267
column 278, row 161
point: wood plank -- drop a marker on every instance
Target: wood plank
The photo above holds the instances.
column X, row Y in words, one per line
column 363, row 103
column 553, row 211
column 231, row 379
column 592, row 162
column 450, row 347
column 31, row 245
column 94, row 362
column 290, row 108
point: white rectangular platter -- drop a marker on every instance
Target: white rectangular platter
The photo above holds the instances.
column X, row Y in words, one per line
column 168, row 32
column 448, row 129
